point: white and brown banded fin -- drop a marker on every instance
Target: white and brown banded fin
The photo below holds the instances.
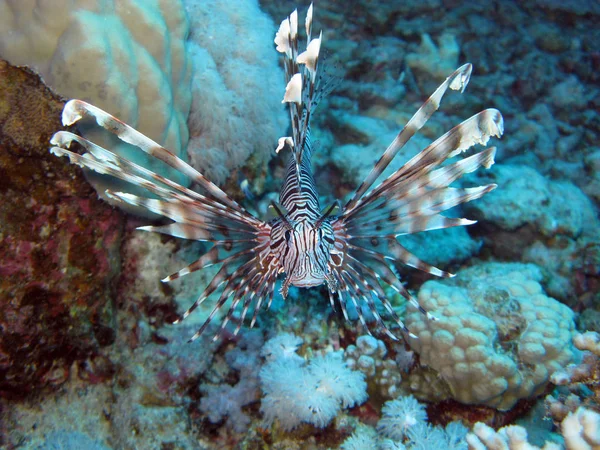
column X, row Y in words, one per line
column 106, row 162
column 75, row 110
column 458, row 80
column 241, row 242
column 409, row 201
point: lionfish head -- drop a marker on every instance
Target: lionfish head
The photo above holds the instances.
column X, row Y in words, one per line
column 303, row 248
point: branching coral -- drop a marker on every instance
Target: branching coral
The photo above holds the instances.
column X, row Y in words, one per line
column 512, row 437
column 581, row 430
column 580, row 386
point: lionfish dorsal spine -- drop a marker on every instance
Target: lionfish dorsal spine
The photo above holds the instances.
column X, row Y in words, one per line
column 301, row 92
column 298, row 193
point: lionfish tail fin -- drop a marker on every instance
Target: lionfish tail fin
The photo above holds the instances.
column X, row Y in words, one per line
column 409, row 201
column 240, row 242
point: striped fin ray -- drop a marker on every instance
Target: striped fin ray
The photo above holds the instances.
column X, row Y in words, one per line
column 408, row 190
column 409, row 201
column 76, row 110
column 218, row 254
column 188, row 213
column 457, row 81
column 106, row 162
column 247, row 272
column 475, row 130
column 242, row 281
column 358, row 282
column 420, row 214
column 304, row 83
column 389, row 249
column 370, row 277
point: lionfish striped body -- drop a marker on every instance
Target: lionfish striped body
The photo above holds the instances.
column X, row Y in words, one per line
column 353, row 252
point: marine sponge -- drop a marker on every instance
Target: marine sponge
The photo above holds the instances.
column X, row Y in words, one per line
column 313, row 393
column 498, row 337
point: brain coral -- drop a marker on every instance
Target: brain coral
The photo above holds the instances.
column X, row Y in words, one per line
column 127, row 57
column 498, row 337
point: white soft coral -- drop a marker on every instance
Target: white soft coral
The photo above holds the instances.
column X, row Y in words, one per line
column 399, row 416
column 298, row 392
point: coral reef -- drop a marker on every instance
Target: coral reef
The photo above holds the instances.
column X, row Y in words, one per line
column 404, row 427
column 127, row 57
column 497, row 337
column 369, row 357
column 434, row 61
column 128, row 379
column 64, row 440
column 319, row 390
column 548, row 222
column 581, row 379
column 528, row 198
column 399, row 416
column 512, row 437
column 225, row 401
column 60, row 246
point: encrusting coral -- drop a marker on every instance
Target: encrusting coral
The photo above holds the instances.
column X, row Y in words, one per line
column 497, row 338
column 512, row 437
column 59, row 247
column 369, row 357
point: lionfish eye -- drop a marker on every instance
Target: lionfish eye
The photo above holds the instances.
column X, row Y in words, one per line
column 288, row 235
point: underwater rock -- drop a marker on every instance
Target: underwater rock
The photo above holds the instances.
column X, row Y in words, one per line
column 59, row 245
column 527, row 198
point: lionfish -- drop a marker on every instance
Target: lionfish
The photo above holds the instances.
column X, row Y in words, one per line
column 352, row 252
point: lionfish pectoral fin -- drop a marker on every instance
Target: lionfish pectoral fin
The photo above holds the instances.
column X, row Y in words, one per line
column 410, row 200
column 241, row 241
column 458, row 80
column 331, row 282
column 285, row 287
